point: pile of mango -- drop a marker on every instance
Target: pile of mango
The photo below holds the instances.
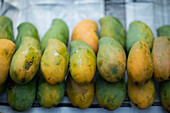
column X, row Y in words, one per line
column 96, row 64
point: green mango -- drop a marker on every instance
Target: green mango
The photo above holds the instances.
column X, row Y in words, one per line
column 111, row 59
column 6, row 28
column 26, row 60
column 110, row 95
column 139, row 31
column 58, row 30
column 54, row 62
column 26, row 29
column 111, row 27
column 165, row 94
column 21, row 97
column 164, row 31
column 82, row 62
column 3, row 87
column 49, row 95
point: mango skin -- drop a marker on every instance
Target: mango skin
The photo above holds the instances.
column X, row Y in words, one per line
column 164, row 92
column 139, row 31
column 58, row 30
column 49, row 95
column 111, row 27
column 139, row 64
column 21, row 97
column 26, row 60
column 142, row 96
column 164, row 31
column 82, row 62
column 111, row 59
column 6, row 28
column 86, row 31
column 54, row 62
column 161, row 58
column 26, row 29
column 80, row 96
column 110, row 95
column 7, row 50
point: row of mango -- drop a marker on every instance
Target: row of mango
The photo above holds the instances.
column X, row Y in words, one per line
column 29, row 60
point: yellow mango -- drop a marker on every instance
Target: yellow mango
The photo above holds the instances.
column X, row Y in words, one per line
column 54, row 62
column 86, row 32
column 161, row 58
column 7, row 49
column 80, row 96
column 82, row 62
column 142, row 96
column 139, row 64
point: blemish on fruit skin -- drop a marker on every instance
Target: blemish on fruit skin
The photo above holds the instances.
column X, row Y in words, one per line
column 6, row 52
column 58, row 63
column 27, row 65
column 114, row 70
column 108, row 100
column 84, row 92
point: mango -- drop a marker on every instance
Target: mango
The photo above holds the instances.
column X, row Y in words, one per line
column 142, row 96
column 21, row 97
column 164, row 31
column 112, row 27
column 80, row 96
column 139, row 64
column 54, row 62
column 26, row 60
column 161, row 58
column 49, row 95
column 139, row 31
column 82, row 62
column 111, row 59
column 58, row 30
column 86, row 31
column 7, row 50
column 26, row 29
column 164, row 91
column 110, row 95
column 6, row 28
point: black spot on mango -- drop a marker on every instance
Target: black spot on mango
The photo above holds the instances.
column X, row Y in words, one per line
column 28, row 65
